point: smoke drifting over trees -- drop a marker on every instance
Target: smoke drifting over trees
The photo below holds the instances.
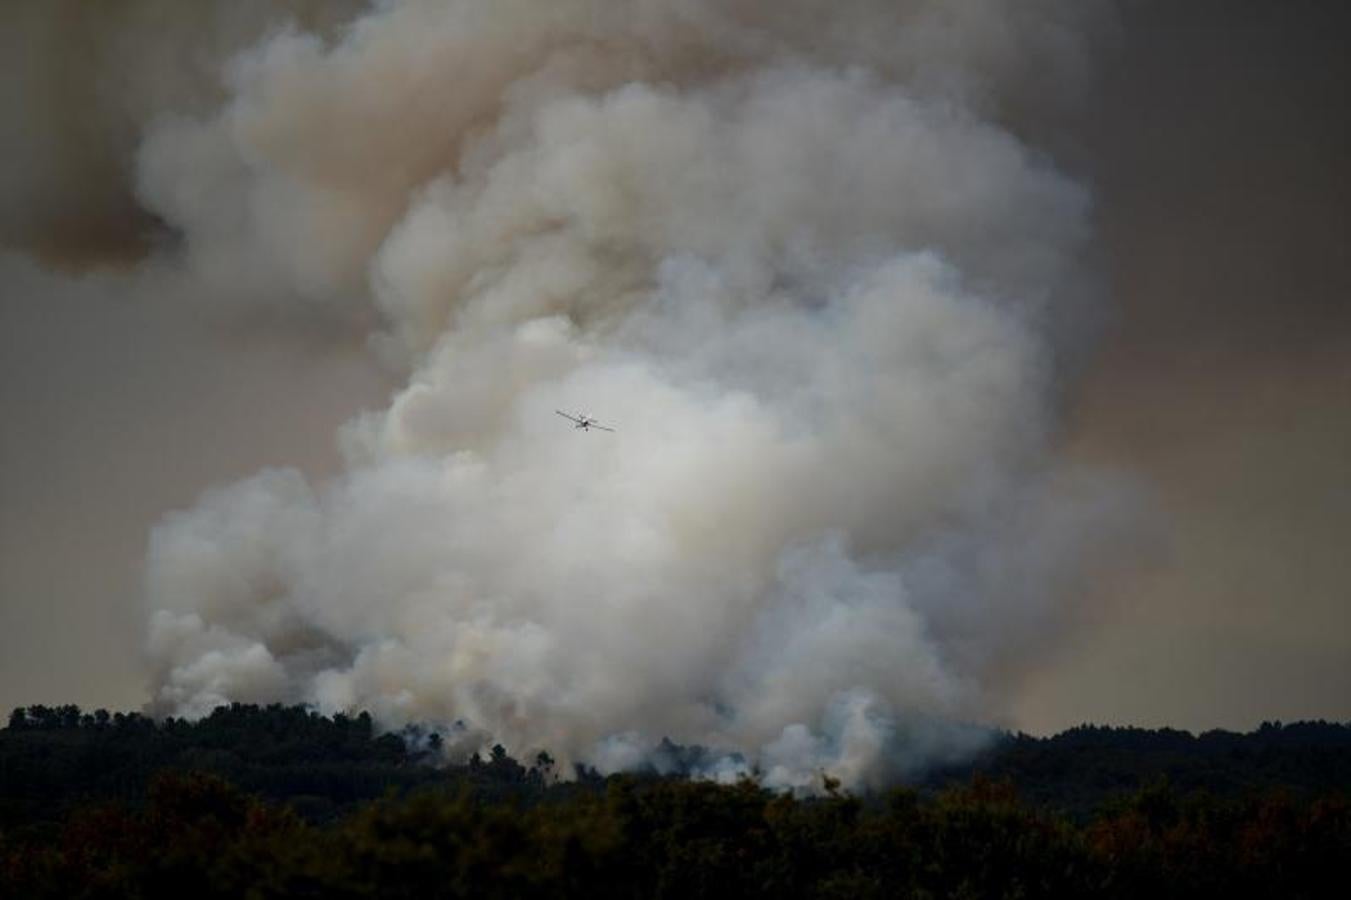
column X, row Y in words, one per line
column 814, row 267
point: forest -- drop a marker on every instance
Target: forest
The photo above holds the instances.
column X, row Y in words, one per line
column 283, row 802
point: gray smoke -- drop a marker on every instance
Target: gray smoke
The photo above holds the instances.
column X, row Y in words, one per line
column 796, row 253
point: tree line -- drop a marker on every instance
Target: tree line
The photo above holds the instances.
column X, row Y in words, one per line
column 281, row 802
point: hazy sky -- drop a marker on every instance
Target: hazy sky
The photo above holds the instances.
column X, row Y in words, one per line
column 1216, row 144
column 1220, row 146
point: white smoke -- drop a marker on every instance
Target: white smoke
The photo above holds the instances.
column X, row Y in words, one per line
column 793, row 252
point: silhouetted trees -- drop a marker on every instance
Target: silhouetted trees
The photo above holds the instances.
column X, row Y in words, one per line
column 199, row 836
column 280, row 802
column 1078, row 770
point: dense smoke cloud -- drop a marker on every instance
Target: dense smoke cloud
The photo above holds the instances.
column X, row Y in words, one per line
column 799, row 257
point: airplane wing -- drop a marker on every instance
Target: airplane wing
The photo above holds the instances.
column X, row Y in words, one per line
column 601, row 427
column 566, row 416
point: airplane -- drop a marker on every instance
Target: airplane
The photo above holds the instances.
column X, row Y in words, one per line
column 586, row 423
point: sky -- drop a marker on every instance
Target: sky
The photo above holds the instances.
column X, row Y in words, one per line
column 1219, row 147
column 1211, row 137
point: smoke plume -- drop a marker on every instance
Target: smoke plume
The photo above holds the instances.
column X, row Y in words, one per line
column 802, row 257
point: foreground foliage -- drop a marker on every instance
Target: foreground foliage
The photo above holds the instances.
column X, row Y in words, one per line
column 286, row 813
column 199, row 836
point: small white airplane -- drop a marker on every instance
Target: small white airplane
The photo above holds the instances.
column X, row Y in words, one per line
column 586, row 423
